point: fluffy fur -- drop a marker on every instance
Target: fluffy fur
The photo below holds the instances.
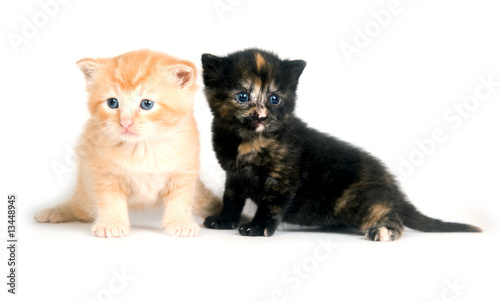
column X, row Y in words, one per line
column 132, row 157
column 292, row 172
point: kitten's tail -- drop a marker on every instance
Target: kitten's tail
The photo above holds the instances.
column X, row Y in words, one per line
column 206, row 203
column 413, row 219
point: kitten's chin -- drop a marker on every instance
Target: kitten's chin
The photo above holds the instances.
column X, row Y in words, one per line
column 131, row 137
column 258, row 126
column 129, row 134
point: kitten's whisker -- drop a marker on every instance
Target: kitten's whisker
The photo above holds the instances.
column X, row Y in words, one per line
column 97, row 133
column 105, row 134
column 107, row 143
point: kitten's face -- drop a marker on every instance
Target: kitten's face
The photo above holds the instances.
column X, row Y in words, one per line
column 251, row 89
column 138, row 96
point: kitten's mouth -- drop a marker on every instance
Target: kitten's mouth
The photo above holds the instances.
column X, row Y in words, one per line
column 127, row 132
column 258, row 125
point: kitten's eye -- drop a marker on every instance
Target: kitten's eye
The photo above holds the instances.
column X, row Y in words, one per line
column 274, row 99
column 113, row 103
column 242, row 97
column 147, row 104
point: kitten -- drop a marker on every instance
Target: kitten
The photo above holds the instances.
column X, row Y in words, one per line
column 294, row 173
column 139, row 148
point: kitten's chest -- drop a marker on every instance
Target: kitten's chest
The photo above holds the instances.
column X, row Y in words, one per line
column 145, row 188
column 261, row 154
column 256, row 151
column 141, row 158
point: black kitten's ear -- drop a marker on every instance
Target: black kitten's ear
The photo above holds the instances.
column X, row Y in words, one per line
column 294, row 69
column 208, row 60
column 213, row 68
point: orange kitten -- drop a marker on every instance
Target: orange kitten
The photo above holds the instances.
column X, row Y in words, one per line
column 139, row 148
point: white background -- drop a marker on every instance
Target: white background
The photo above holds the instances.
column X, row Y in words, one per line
column 427, row 58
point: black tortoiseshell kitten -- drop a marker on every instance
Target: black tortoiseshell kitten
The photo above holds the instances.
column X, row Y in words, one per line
column 294, row 173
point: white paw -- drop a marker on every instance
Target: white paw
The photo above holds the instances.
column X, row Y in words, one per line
column 381, row 234
column 110, row 229
column 181, row 229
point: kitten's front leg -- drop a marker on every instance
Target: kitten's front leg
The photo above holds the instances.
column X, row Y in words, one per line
column 267, row 218
column 278, row 195
column 112, row 211
column 177, row 217
column 233, row 203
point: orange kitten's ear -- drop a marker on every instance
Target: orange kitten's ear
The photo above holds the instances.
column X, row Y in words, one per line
column 184, row 74
column 89, row 67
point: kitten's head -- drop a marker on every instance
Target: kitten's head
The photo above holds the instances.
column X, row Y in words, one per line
column 252, row 89
column 138, row 95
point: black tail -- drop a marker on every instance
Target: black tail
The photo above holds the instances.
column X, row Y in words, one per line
column 413, row 219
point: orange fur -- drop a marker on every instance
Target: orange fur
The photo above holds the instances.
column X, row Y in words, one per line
column 153, row 161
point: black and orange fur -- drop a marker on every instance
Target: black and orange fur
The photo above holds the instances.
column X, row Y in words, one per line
column 294, row 173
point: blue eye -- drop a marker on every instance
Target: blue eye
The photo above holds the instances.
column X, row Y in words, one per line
column 147, row 104
column 113, row 103
column 242, row 97
column 274, row 99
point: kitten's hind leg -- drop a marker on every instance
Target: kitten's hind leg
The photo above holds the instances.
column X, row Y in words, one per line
column 382, row 234
column 381, row 223
column 79, row 207
column 59, row 213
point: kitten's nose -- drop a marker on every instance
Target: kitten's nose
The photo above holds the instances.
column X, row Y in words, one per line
column 261, row 114
column 259, row 117
column 126, row 124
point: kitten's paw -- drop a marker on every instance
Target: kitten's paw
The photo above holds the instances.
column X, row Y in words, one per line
column 110, row 229
column 381, row 234
column 181, row 229
column 252, row 229
column 53, row 215
column 217, row 222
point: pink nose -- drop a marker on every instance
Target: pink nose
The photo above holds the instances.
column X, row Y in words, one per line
column 261, row 113
column 126, row 124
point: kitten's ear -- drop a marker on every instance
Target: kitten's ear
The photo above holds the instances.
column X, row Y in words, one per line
column 213, row 68
column 294, row 69
column 184, row 74
column 210, row 61
column 89, row 67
